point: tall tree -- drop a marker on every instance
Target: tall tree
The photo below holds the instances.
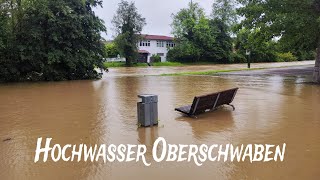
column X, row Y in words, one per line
column 128, row 24
column 53, row 40
column 223, row 42
column 225, row 11
column 11, row 12
column 184, row 22
column 204, row 38
column 254, row 40
column 295, row 21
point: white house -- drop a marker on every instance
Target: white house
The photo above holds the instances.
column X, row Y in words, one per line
column 154, row 44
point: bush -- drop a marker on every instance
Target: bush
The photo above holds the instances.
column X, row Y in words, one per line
column 155, row 58
column 238, row 58
column 286, row 57
column 184, row 52
column 305, row 55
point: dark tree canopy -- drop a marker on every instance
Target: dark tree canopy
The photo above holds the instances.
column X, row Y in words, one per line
column 128, row 24
column 50, row 40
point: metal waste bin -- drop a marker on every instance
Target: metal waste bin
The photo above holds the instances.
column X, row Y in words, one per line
column 148, row 110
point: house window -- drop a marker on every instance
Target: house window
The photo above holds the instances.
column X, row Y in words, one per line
column 160, row 54
column 145, row 43
column 171, row 44
column 160, row 44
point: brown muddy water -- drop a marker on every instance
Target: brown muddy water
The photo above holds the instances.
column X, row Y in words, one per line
column 269, row 110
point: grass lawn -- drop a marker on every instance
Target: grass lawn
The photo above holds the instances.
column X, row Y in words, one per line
column 167, row 64
column 209, row 72
column 157, row 64
column 122, row 64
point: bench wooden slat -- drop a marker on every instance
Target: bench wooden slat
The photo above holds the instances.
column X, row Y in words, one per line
column 209, row 102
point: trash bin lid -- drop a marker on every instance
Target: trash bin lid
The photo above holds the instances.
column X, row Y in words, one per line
column 148, row 98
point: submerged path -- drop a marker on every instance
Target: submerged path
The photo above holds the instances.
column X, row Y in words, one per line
column 304, row 70
column 270, row 109
column 141, row 71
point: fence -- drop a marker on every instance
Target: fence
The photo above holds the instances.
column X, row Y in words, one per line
column 115, row 59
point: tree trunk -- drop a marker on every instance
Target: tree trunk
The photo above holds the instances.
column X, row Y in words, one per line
column 128, row 62
column 316, row 74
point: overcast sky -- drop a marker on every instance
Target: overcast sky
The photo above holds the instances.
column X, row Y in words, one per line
column 157, row 13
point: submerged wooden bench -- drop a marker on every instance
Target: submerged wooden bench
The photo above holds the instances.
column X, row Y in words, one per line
column 209, row 102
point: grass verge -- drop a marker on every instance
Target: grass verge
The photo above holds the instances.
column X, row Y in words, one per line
column 167, row 64
column 156, row 64
column 122, row 64
column 209, row 72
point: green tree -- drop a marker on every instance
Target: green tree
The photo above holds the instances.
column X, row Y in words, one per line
column 222, row 49
column 295, row 21
column 52, row 40
column 184, row 51
column 225, row 11
column 10, row 28
column 184, row 22
column 198, row 37
column 262, row 50
column 128, row 24
column 111, row 50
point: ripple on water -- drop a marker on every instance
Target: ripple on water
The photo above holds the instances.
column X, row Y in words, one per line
column 269, row 110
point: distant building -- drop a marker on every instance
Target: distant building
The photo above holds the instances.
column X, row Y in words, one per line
column 154, row 44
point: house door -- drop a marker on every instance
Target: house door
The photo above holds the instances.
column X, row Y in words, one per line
column 143, row 58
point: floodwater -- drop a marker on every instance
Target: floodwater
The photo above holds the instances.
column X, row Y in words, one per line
column 200, row 68
column 269, row 110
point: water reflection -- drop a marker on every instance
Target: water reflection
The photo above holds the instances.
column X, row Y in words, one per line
column 210, row 123
column 147, row 136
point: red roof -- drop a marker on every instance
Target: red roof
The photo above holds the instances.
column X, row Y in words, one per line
column 143, row 52
column 157, row 37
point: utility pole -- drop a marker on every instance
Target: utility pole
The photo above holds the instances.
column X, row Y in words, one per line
column 248, row 53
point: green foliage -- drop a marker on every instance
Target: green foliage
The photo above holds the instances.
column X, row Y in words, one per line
column 128, row 24
column 300, row 53
column 111, row 50
column 185, row 21
column 286, row 57
column 225, row 11
column 305, row 55
column 155, row 58
column 184, row 51
column 295, row 22
column 238, row 58
column 221, row 50
column 52, row 40
column 199, row 37
column 3, row 30
column 262, row 49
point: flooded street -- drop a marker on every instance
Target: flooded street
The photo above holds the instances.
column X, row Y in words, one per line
column 269, row 110
column 142, row 71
